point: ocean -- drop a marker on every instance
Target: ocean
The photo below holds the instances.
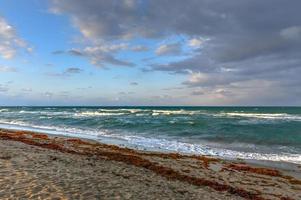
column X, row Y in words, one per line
column 259, row 133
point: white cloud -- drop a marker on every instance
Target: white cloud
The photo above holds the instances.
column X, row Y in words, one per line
column 9, row 41
column 198, row 78
column 169, row 49
column 139, row 48
column 107, row 48
column 195, row 42
column 212, row 79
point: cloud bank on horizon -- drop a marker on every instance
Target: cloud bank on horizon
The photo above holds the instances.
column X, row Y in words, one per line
column 195, row 52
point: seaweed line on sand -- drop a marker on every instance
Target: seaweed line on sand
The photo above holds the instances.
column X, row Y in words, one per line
column 135, row 158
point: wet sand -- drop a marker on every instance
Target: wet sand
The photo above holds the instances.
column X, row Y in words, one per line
column 40, row 166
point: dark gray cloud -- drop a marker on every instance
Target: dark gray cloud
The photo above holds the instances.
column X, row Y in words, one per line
column 246, row 42
column 100, row 55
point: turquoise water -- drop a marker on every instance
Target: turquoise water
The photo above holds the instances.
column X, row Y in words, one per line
column 262, row 133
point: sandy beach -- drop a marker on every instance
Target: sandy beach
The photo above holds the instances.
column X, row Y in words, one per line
column 40, row 166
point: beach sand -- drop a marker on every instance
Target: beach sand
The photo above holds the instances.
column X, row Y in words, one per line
column 40, row 166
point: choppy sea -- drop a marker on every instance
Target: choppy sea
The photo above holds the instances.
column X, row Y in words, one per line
column 260, row 133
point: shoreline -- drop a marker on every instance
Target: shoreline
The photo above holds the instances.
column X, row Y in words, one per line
column 236, row 179
column 264, row 159
column 284, row 165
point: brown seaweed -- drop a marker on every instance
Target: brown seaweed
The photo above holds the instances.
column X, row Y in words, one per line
column 136, row 158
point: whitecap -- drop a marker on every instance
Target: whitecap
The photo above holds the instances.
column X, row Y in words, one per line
column 91, row 114
column 265, row 116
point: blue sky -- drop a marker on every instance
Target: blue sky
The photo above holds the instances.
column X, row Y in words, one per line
column 141, row 52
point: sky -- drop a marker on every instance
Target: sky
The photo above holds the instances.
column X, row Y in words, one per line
column 150, row 52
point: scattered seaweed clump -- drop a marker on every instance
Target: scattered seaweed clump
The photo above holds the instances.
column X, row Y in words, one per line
column 256, row 170
column 40, row 136
column 78, row 141
column 206, row 160
column 5, row 157
column 292, row 180
column 286, row 198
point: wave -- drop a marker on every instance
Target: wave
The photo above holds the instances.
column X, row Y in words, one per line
column 77, row 132
column 200, row 149
column 157, row 112
column 153, row 143
column 174, row 112
column 266, row 116
column 48, row 113
column 91, row 114
column 133, row 110
column 137, row 112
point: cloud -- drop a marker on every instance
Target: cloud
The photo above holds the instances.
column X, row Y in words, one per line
column 49, row 65
column 84, row 88
column 169, row 49
column 195, row 42
column 67, row 72
column 57, row 52
column 3, row 88
column 26, row 90
column 140, row 48
column 73, row 70
column 197, row 93
column 100, row 55
column 293, row 33
column 7, row 69
column 48, row 94
column 64, row 94
column 75, row 52
column 134, row 83
column 9, row 41
column 245, row 41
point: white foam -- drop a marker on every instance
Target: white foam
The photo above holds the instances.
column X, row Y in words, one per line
column 154, row 143
column 91, row 134
column 269, row 116
column 174, row 112
column 133, row 110
column 176, row 146
column 91, row 114
column 49, row 113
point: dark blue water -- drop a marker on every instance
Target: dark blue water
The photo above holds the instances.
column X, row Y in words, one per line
column 268, row 133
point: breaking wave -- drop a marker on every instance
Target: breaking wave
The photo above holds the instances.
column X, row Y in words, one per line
column 155, row 144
